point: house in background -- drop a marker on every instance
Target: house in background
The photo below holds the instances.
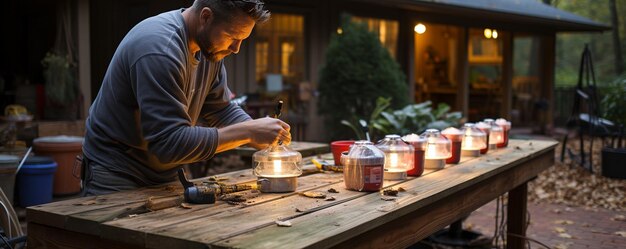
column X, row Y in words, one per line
column 485, row 58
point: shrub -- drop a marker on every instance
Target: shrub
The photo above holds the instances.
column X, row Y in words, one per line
column 357, row 70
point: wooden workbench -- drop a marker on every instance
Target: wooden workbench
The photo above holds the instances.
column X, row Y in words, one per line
column 353, row 219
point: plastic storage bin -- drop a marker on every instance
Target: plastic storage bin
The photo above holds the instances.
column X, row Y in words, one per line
column 34, row 181
column 63, row 149
column 8, row 166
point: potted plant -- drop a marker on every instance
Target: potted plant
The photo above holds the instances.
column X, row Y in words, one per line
column 614, row 106
column 61, row 87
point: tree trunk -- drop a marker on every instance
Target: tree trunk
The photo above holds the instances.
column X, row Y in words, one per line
column 619, row 61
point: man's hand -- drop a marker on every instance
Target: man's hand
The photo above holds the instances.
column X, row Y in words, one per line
column 259, row 133
column 268, row 131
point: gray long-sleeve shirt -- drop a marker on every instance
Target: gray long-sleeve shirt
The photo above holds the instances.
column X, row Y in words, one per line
column 146, row 120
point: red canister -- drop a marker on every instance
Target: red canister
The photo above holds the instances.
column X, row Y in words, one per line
column 419, row 146
column 485, row 128
column 363, row 167
column 506, row 127
column 456, row 138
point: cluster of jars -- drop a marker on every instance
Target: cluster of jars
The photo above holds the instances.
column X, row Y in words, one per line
column 395, row 157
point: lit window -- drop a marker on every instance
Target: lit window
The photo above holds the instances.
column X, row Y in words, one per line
column 386, row 30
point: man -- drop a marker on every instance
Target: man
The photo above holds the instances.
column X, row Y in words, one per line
column 165, row 79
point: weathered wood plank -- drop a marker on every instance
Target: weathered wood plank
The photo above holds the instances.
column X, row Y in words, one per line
column 411, row 228
column 332, row 225
column 134, row 230
column 181, row 235
column 42, row 236
column 107, row 207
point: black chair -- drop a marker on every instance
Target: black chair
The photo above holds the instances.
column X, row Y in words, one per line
column 585, row 115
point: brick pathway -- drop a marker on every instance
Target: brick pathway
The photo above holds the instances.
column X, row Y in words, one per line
column 552, row 224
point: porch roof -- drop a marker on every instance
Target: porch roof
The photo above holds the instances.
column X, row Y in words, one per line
column 532, row 14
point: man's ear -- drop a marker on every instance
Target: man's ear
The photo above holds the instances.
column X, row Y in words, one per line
column 206, row 15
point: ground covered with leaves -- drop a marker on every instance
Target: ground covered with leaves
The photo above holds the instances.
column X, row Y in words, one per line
column 570, row 184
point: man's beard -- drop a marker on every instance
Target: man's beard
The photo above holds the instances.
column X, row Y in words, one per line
column 214, row 57
column 205, row 46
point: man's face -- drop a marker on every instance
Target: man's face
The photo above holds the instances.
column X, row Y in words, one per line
column 218, row 39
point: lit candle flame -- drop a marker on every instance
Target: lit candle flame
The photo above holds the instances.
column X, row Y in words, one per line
column 393, row 160
column 469, row 143
column 431, row 150
column 278, row 167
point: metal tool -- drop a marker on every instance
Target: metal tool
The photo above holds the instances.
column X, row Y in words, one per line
column 277, row 114
column 201, row 194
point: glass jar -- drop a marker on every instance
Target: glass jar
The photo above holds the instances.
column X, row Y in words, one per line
column 506, row 127
column 398, row 157
column 437, row 149
column 363, row 168
column 277, row 168
column 473, row 140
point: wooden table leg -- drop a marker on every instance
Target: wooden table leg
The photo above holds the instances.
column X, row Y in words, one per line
column 516, row 221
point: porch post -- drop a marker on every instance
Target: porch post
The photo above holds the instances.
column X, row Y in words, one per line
column 84, row 57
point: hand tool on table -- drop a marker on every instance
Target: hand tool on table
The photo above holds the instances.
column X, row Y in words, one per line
column 277, row 114
column 207, row 192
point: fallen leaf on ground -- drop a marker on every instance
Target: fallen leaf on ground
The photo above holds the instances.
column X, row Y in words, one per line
column 565, row 235
column 283, row 223
column 332, row 190
column 619, row 217
column 621, row 233
column 562, row 245
column 330, row 198
column 559, row 230
column 563, row 222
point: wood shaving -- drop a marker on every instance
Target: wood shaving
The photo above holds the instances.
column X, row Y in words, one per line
column 283, row 223
column 621, row 233
column 86, row 203
column 313, row 194
column 132, row 215
column 185, row 205
column 559, row 230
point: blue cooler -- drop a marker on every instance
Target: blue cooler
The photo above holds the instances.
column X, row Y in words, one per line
column 34, row 181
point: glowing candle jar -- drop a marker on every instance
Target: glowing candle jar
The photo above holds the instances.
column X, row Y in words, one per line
column 506, row 127
column 363, row 168
column 456, row 138
column 437, row 149
column 496, row 136
column 398, row 157
column 485, row 128
column 277, row 169
column 419, row 147
column 473, row 140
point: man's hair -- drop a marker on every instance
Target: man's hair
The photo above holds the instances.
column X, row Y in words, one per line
column 225, row 10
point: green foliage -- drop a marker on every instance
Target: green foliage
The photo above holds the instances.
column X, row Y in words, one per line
column 61, row 88
column 614, row 101
column 413, row 118
column 357, row 70
column 569, row 46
